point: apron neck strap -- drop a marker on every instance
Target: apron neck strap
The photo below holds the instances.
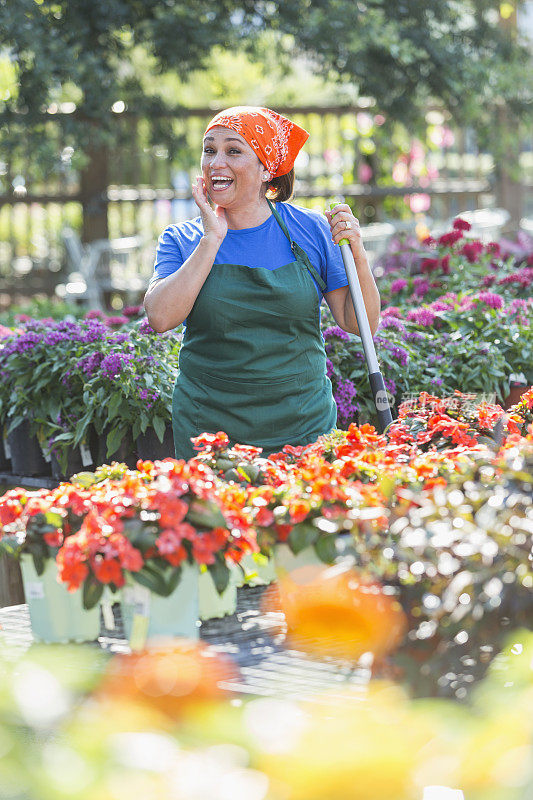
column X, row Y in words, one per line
column 298, row 251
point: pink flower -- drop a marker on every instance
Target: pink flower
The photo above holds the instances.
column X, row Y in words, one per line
column 491, row 299
column 461, row 224
column 397, row 285
column 422, row 316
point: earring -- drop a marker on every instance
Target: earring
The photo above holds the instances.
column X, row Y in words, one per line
column 266, row 176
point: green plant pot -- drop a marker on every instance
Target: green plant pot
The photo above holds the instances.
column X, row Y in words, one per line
column 212, row 604
column 147, row 616
column 56, row 614
column 256, row 573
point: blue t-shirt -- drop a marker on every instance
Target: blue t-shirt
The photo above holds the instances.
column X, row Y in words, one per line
column 262, row 246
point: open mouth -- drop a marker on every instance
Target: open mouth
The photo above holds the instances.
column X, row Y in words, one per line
column 220, row 182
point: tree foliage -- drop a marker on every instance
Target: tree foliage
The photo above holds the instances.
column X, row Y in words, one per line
column 403, row 53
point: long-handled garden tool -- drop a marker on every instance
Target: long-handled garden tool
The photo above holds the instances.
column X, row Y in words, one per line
column 377, row 383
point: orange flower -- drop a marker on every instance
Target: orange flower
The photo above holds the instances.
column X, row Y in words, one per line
column 298, row 510
column 335, row 611
column 171, row 677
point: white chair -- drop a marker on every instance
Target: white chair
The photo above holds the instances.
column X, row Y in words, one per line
column 105, row 265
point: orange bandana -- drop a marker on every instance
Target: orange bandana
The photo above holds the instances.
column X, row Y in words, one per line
column 275, row 139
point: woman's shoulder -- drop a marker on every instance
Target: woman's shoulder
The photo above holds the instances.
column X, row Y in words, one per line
column 309, row 218
column 182, row 232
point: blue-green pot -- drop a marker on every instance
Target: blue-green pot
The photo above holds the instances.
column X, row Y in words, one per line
column 56, row 614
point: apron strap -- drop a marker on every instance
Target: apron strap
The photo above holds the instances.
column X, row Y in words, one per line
column 298, row 251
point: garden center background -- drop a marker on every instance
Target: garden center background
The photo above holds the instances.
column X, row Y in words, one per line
column 97, row 157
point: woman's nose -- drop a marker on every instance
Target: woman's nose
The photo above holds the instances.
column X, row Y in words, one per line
column 218, row 159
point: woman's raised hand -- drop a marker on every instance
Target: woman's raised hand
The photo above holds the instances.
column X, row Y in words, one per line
column 214, row 220
column 344, row 225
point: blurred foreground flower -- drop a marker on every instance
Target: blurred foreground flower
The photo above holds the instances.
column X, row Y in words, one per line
column 336, row 611
column 169, row 676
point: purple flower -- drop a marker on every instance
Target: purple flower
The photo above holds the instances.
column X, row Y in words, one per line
column 421, row 287
column 345, row 394
column 90, row 364
column 397, row 285
column 422, row 316
column 144, row 326
column 113, row 364
column 491, row 299
column 330, row 369
column 392, row 322
column 437, row 381
column 399, row 353
column 390, row 385
column 338, row 332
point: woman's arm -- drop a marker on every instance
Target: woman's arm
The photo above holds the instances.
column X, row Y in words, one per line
column 339, row 300
column 169, row 300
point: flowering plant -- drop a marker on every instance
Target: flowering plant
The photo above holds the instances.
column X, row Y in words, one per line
column 145, row 524
column 73, row 375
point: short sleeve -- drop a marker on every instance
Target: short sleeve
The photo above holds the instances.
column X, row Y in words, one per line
column 168, row 257
column 333, row 271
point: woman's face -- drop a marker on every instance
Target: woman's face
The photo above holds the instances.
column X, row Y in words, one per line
column 232, row 172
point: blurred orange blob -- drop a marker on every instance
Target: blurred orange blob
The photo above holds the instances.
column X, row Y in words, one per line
column 169, row 676
column 335, row 611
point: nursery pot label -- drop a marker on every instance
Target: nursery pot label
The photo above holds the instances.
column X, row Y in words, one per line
column 86, row 457
column 139, row 597
column 34, row 590
column 7, row 449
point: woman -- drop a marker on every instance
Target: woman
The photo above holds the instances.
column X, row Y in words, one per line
column 247, row 278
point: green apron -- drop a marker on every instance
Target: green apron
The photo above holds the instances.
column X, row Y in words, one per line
column 252, row 362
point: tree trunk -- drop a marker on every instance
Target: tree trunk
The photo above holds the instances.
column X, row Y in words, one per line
column 94, row 182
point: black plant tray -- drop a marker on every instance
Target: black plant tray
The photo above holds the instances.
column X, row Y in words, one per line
column 27, row 482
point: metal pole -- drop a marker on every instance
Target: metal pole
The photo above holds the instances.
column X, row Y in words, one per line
column 375, row 377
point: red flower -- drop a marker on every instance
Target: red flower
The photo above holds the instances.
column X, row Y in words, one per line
column 472, row 251
column 449, row 239
column 283, row 532
column 429, row 264
column 211, row 441
column 461, row 224
column 264, row 517
column 54, row 538
column 445, row 265
column 108, row 571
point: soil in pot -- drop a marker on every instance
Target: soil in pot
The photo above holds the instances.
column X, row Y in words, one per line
column 149, row 448
column 26, row 453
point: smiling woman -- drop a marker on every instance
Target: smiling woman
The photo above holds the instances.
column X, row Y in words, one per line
column 247, row 277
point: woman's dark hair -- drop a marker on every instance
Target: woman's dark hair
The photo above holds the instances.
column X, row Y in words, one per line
column 281, row 189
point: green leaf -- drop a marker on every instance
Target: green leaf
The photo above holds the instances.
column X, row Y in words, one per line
column 173, row 580
column 92, row 592
column 38, row 562
column 326, row 548
column 220, row 573
column 302, row 535
column 152, row 578
column 112, row 407
column 53, row 518
column 113, row 440
column 204, row 514
column 159, row 427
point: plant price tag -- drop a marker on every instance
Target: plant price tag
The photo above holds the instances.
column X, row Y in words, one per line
column 139, row 597
column 86, row 457
column 34, row 590
column 7, row 449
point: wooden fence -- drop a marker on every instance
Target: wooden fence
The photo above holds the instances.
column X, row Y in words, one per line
column 141, row 186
